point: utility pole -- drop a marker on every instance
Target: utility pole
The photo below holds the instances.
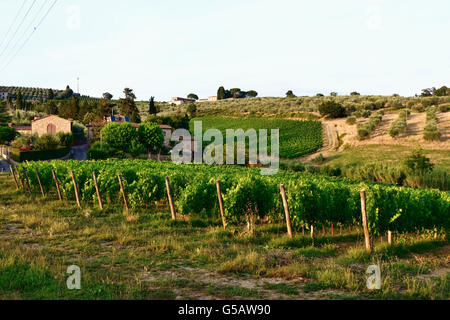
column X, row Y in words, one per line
column 78, row 85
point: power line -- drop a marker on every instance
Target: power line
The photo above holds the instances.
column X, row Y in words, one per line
column 18, row 28
column 31, row 34
column 12, row 24
column 38, row 13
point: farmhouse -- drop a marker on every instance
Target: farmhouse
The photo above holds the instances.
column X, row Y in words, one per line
column 3, row 95
column 50, row 125
column 210, row 99
column 47, row 125
column 178, row 101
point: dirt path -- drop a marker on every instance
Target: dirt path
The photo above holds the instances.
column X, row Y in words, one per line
column 204, row 278
column 330, row 142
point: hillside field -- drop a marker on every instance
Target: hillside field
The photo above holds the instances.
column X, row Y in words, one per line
column 297, row 138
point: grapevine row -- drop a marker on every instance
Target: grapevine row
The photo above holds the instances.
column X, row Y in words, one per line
column 312, row 199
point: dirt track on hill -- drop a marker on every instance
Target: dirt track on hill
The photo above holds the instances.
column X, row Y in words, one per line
column 330, row 142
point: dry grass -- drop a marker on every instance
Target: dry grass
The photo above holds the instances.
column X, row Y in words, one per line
column 145, row 255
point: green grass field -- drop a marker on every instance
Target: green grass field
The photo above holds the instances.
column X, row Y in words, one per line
column 297, row 138
column 386, row 153
column 145, row 255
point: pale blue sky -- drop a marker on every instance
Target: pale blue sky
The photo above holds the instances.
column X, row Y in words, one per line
column 171, row 48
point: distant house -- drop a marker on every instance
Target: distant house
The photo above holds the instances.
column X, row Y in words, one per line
column 50, row 124
column 118, row 118
column 4, row 95
column 178, row 101
column 23, row 130
column 210, row 99
column 167, row 131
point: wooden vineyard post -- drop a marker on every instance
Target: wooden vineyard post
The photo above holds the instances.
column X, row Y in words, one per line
column 435, row 233
column 286, row 211
column 332, row 229
column 169, row 196
column 27, row 181
column 55, row 178
column 22, row 186
column 222, row 213
column 14, row 176
column 100, row 203
column 40, row 183
column 364, row 220
column 75, row 186
column 390, row 237
column 125, row 200
column 312, row 231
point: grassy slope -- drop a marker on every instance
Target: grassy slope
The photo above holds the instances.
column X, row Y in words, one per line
column 396, row 154
column 144, row 255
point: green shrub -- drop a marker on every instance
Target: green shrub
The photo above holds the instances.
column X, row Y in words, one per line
column 365, row 114
column 21, row 156
column 65, row 139
column 46, row 142
column 432, row 135
column 418, row 162
column 418, row 108
column 444, row 108
column 332, row 109
column 97, row 154
column 119, row 136
column 363, row 133
column 351, row 120
column 7, row 134
column 137, row 149
column 399, row 126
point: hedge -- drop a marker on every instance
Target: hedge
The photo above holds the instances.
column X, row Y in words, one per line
column 21, row 156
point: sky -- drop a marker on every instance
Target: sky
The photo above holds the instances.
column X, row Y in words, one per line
column 167, row 48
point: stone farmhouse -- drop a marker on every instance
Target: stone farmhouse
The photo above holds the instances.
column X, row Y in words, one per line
column 50, row 124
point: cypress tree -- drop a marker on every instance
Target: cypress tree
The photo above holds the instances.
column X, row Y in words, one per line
column 152, row 108
column 221, row 93
column 5, row 118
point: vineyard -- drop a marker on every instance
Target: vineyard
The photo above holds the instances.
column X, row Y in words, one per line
column 297, row 138
column 313, row 200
